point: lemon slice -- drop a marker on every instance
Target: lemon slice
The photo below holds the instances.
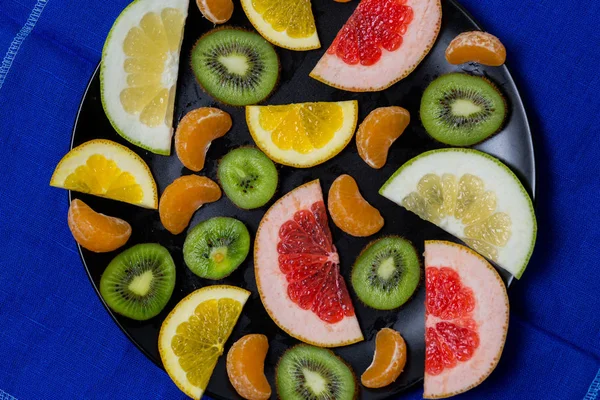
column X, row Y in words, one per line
column 107, row 169
column 140, row 62
column 305, row 134
column 192, row 336
column 473, row 196
column 285, row 23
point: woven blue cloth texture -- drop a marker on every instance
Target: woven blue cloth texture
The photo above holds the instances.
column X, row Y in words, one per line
column 58, row 342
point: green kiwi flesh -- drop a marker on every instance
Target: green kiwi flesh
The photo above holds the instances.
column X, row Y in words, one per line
column 311, row 373
column 138, row 282
column 235, row 66
column 386, row 273
column 462, row 110
column 248, row 177
column 214, row 248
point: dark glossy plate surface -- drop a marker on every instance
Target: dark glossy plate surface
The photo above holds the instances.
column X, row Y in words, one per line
column 513, row 146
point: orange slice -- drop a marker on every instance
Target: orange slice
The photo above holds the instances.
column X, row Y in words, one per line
column 245, row 367
column 182, row 198
column 216, row 11
column 195, row 133
column 94, row 231
column 388, row 362
column 350, row 211
column 479, row 47
column 378, row 132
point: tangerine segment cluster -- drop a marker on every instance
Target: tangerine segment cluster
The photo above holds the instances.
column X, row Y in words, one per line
column 310, row 263
column 454, row 338
column 475, row 46
column 245, row 367
column 292, row 16
column 375, row 25
column 389, row 359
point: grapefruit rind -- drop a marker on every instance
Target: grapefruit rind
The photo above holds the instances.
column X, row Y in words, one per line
column 181, row 313
column 492, row 299
column 301, row 324
column 292, row 158
column 333, row 71
column 126, row 160
column 512, row 198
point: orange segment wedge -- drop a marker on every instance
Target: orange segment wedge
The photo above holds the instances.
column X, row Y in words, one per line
column 479, row 47
column 245, row 367
column 389, row 359
column 216, row 11
column 94, row 231
column 350, row 211
column 182, row 198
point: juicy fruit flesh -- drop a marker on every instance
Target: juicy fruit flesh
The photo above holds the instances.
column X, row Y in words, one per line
column 465, row 200
column 310, row 263
column 302, row 127
column 200, row 340
column 292, row 16
column 378, row 132
column 150, row 51
column 245, row 367
column 216, row 11
column 367, row 33
column 94, row 231
column 476, row 46
column 388, row 361
column 350, row 211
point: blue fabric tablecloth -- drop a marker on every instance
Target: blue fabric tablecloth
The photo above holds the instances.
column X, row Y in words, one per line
column 57, row 341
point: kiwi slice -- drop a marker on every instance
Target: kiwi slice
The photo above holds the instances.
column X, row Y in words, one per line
column 248, row 177
column 462, row 110
column 311, row 373
column 138, row 283
column 216, row 247
column 386, row 273
column 235, row 66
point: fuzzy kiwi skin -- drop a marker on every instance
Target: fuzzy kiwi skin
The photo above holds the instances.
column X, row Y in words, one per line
column 505, row 117
column 356, row 387
column 421, row 270
column 220, row 101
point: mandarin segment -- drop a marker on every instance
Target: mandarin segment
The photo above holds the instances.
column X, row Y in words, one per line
column 479, row 47
column 388, row 361
column 245, row 367
column 182, row 198
column 94, row 231
column 350, row 211
column 216, row 11
column 195, row 133
column 378, row 132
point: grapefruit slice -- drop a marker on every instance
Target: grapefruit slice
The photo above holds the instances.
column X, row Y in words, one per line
column 298, row 274
column 466, row 319
column 382, row 42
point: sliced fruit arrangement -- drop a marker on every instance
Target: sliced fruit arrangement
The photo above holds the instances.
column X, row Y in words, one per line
column 193, row 335
column 94, row 231
column 480, row 47
column 386, row 273
column 107, row 169
column 138, row 75
column 216, row 11
column 382, row 42
column 308, row 372
column 138, row 283
column 298, row 274
column 350, row 211
column 466, row 319
column 462, row 110
column 305, row 134
column 249, row 177
column 182, row 198
column 378, row 132
column 473, row 196
column 195, row 133
column 216, row 247
column 246, row 367
column 235, row 66
column 388, row 361
column 285, row 23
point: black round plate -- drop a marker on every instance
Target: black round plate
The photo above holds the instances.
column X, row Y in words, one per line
column 513, row 146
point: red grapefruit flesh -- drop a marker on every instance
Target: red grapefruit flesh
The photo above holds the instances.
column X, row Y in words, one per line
column 298, row 273
column 466, row 320
column 381, row 43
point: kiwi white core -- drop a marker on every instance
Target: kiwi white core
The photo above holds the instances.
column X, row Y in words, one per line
column 140, row 285
column 386, row 269
column 464, row 108
column 235, row 64
column 314, row 381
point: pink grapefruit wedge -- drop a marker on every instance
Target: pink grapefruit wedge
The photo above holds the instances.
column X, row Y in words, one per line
column 298, row 273
column 466, row 319
column 381, row 43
